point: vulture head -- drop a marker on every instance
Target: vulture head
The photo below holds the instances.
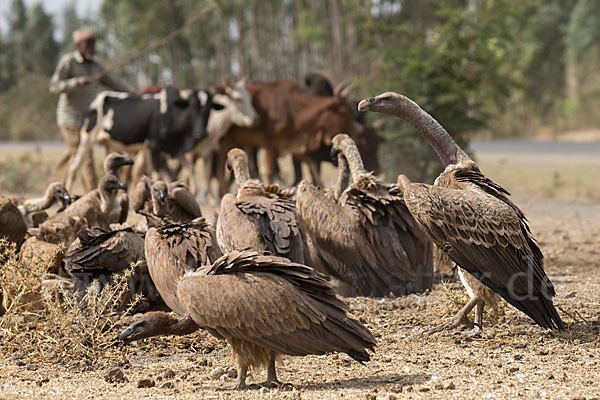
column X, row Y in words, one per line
column 387, row 103
column 159, row 193
column 110, row 184
column 114, row 161
column 237, row 162
column 59, row 193
column 151, row 324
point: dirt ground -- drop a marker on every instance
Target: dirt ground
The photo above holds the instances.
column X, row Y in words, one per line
column 520, row 360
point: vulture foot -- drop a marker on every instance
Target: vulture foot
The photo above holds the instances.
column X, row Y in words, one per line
column 459, row 319
column 476, row 332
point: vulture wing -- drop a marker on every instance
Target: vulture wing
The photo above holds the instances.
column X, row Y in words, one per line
column 367, row 240
column 489, row 238
column 276, row 221
column 274, row 303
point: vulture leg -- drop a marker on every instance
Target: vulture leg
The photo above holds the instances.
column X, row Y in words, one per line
column 459, row 319
column 272, row 380
column 240, row 382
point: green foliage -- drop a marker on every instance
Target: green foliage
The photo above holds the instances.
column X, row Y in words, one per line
column 28, row 110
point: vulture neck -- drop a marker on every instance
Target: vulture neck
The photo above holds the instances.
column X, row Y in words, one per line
column 354, row 160
column 107, row 201
column 41, row 203
column 240, row 172
column 443, row 144
column 343, row 177
column 173, row 325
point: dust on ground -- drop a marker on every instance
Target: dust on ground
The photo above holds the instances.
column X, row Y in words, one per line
column 520, row 360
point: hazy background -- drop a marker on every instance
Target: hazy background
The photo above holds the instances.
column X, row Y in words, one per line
column 484, row 68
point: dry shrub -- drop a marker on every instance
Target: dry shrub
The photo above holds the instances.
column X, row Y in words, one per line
column 457, row 298
column 63, row 324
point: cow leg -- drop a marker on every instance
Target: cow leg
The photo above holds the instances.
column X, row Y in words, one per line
column 314, row 167
column 156, row 160
column 220, row 172
column 187, row 165
column 83, row 149
column 270, row 162
column 253, row 162
column 297, row 170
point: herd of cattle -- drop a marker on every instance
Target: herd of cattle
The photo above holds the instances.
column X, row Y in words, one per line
column 281, row 117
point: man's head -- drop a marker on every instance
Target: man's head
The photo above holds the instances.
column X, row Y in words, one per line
column 85, row 40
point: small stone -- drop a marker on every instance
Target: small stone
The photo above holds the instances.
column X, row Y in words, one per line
column 42, row 381
column 167, row 385
column 169, row 374
column 217, row 372
column 424, row 389
column 146, row 383
column 392, row 397
column 513, row 370
column 115, row 375
column 450, row 386
column 20, row 364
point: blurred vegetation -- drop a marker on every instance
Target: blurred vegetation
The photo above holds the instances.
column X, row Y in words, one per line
column 497, row 68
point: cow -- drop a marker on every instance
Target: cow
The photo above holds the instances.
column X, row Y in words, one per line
column 290, row 121
column 237, row 109
column 171, row 121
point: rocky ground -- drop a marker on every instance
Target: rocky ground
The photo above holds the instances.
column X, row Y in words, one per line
column 519, row 360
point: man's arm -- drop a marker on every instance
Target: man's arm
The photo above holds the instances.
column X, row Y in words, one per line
column 61, row 80
column 114, row 83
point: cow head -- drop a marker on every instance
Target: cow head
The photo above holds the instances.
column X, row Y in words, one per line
column 185, row 113
column 238, row 104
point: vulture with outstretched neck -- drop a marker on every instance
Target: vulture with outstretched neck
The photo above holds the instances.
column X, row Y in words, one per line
column 33, row 209
column 472, row 219
column 112, row 166
column 258, row 219
column 262, row 305
column 366, row 237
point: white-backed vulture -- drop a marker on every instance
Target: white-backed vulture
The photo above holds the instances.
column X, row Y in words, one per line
column 112, row 166
column 472, row 219
column 97, row 255
column 262, row 305
column 33, row 209
column 174, row 201
column 96, row 207
column 258, row 220
column 367, row 238
column 12, row 224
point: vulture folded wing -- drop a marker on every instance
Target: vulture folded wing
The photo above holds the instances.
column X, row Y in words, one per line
column 276, row 221
column 279, row 305
column 491, row 240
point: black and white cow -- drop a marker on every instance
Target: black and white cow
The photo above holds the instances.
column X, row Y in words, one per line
column 171, row 121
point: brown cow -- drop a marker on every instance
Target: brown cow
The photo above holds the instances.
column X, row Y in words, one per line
column 290, row 121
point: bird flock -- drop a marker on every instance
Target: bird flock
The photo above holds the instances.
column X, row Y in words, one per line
column 267, row 275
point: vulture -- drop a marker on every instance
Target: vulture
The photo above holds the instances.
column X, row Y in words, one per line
column 262, row 305
column 97, row 254
column 96, row 207
column 472, row 219
column 364, row 234
column 12, row 224
column 258, row 219
column 157, row 199
column 174, row 201
column 112, row 166
column 33, row 209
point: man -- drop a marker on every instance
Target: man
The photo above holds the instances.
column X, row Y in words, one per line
column 74, row 81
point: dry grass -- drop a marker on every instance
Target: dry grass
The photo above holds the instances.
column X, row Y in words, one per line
column 59, row 324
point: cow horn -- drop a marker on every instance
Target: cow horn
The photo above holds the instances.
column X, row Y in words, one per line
column 339, row 87
column 347, row 90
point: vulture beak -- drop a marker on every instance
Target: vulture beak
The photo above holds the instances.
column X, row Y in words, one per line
column 127, row 161
column 125, row 336
column 334, row 155
column 66, row 199
column 162, row 195
column 122, row 186
column 366, row 104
